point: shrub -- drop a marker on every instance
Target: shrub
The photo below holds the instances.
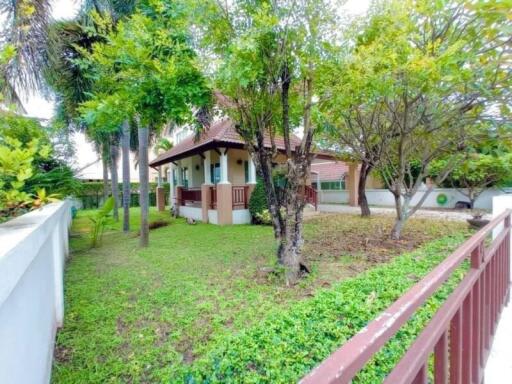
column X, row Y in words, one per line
column 258, row 201
column 99, row 221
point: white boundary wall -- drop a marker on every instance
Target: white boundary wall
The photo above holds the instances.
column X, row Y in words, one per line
column 382, row 197
column 33, row 248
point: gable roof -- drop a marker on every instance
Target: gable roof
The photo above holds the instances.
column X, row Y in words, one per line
column 329, row 171
column 220, row 134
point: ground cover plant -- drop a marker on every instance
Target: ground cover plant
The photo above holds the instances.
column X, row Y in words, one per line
column 194, row 305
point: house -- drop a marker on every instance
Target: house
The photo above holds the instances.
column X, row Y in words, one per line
column 212, row 177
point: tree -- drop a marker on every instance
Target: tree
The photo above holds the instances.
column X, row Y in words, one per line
column 125, row 146
column 436, row 69
column 24, row 31
column 484, row 167
column 145, row 71
column 68, row 39
column 269, row 55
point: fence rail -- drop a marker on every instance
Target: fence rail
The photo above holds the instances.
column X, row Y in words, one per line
column 459, row 335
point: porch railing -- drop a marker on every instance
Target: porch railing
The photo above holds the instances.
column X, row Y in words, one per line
column 239, row 196
column 190, row 196
column 460, row 334
column 311, row 196
column 213, row 198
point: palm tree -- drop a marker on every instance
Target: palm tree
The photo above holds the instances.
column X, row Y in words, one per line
column 125, row 147
column 25, row 28
column 72, row 85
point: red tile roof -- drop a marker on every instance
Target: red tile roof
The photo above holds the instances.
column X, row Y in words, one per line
column 222, row 132
column 329, row 171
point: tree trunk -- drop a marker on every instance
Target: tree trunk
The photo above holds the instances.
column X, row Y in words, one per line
column 114, row 155
column 144, row 185
column 396, row 232
column 291, row 239
column 361, row 189
column 125, row 144
column 104, row 161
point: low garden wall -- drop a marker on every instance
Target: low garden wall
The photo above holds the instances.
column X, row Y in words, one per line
column 382, row 197
column 32, row 256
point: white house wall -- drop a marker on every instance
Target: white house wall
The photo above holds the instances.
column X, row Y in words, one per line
column 241, row 216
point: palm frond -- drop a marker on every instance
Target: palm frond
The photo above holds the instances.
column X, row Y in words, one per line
column 25, row 27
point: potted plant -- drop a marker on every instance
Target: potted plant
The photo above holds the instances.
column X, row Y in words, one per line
column 477, row 221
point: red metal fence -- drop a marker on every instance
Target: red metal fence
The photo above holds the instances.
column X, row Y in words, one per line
column 460, row 334
column 239, row 196
column 190, row 196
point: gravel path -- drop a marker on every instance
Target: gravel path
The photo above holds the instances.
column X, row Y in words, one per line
column 447, row 215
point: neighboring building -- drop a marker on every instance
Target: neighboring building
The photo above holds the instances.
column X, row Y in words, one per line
column 329, row 175
column 214, row 176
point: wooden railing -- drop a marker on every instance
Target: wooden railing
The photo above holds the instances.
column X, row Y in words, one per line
column 190, row 196
column 213, row 198
column 460, row 334
column 311, row 196
column 239, row 196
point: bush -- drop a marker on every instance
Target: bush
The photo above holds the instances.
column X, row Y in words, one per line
column 258, row 202
column 288, row 344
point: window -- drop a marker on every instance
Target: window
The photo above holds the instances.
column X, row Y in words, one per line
column 332, row 185
column 246, row 171
column 184, row 176
column 215, row 173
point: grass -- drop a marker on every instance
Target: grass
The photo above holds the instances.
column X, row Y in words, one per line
column 160, row 314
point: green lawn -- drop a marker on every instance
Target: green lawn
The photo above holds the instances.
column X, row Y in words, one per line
column 166, row 313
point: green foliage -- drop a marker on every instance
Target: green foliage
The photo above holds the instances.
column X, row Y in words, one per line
column 99, row 222
column 21, row 144
column 55, row 176
column 145, row 68
column 287, row 345
column 27, row 165
column 258, row 201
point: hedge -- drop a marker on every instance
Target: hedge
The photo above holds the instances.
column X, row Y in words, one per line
column 91, row 194
column 287, row 345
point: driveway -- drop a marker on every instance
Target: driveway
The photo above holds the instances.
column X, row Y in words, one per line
column 457, row 215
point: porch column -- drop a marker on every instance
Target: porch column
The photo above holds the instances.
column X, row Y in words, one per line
column 159, row 180
column 179, row 176
column 251, row 183
column 224, row 166
column 353, row 181
column 252, row 171
column 172, row 202
column 160, row 193
column 206, row 186
column 224, row 192
column 207, row 162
